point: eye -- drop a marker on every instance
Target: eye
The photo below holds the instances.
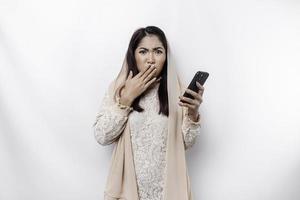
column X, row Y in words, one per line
column 159, row 52
column 142, row 52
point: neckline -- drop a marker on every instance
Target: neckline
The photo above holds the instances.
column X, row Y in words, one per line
column 152, row 88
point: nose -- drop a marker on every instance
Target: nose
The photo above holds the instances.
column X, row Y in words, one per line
column 150, row 59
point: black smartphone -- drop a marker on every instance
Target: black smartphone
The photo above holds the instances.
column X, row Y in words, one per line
column 201, row 77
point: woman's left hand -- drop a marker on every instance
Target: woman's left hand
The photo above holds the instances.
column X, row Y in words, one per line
column 193, row 104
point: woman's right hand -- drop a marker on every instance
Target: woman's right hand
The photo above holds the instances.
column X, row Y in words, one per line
column 135, row 86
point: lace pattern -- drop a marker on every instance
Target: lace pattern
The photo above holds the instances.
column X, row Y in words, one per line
column 148, row 136
column 148, row 132
column 110, row 121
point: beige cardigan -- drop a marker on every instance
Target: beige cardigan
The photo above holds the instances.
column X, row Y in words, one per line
column 121, row 181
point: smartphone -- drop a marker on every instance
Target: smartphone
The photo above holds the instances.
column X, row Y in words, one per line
column 201, row 77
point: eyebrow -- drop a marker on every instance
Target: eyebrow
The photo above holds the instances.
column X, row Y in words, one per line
column 153, row 48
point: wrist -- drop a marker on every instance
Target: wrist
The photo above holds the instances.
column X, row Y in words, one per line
column 194, row 116
column 123, row 99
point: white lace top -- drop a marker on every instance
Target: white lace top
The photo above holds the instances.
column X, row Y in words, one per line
column 148, row 132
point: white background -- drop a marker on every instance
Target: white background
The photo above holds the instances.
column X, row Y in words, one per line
column 57, row 58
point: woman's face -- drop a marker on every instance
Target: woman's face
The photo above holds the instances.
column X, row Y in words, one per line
column 150, row 51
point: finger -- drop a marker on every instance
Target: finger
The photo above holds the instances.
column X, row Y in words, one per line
column 150, row 82
column 149, row 76
column 141, row 73
column 189, row 100
column 194, row 94
column 201, row 88
column 148, row 72
column 158, row 79
column 186, row 105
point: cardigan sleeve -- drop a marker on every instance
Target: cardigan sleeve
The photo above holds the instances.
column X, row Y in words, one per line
column 110, row 121
column 190, row 130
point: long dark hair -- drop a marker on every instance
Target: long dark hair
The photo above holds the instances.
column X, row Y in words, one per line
column 137, row 36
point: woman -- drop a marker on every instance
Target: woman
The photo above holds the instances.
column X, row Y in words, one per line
column 151, row 128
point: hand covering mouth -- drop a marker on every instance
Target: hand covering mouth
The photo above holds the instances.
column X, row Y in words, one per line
column 151, row 66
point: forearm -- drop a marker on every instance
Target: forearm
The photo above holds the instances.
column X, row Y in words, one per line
column 190, row 129
column 110, row 121
column 110, row 124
